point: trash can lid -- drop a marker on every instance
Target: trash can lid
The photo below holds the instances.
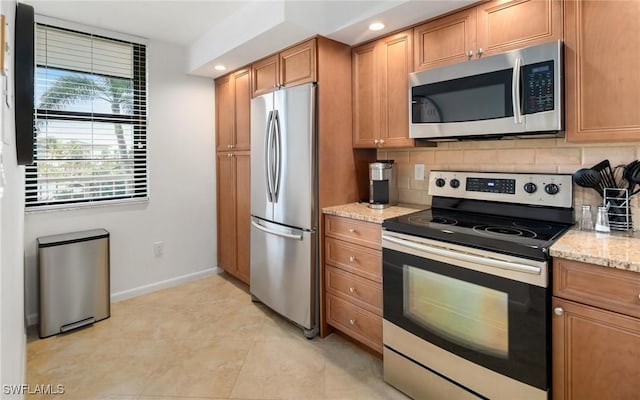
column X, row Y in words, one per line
column 72, row 237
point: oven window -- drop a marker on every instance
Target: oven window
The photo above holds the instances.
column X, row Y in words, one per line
column 470, row 315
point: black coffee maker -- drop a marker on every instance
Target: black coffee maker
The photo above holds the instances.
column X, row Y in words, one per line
column 383, row 191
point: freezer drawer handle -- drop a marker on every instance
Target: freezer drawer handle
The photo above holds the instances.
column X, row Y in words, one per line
column 270, row 231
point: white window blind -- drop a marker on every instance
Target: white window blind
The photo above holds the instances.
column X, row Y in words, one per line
column 90, row 119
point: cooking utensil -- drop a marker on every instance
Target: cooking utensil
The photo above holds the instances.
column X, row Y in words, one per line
column 628, row 171
column 604, row 169
column 634, row 178
column 588, row 178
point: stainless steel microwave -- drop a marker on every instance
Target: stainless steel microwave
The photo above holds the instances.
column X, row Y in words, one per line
column 514, row 93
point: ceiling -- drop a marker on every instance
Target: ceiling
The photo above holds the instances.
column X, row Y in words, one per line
column 234, row 33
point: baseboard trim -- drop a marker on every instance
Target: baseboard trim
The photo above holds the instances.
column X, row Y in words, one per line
column 152, row 287
column 32, row 319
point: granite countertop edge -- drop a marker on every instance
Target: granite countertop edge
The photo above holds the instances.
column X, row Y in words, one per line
column 362, row 212
column 607, row 250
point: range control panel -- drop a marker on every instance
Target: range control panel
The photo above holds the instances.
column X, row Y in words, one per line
column 553, row 190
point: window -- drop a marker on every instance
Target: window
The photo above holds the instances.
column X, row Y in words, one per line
column 90, row 119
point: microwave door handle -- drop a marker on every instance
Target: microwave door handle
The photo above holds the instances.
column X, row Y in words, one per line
column 515, row 91
column 267, row 156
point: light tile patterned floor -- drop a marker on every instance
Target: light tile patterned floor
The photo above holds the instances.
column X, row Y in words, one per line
column 207, row 340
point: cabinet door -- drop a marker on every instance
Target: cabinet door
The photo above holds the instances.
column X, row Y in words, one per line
column 242, row 110
column 366, row 112
column 596, row 353
column 396, row 56
column 224, row 113
column 602, row 99
column 243, row 214
column 264, row 75
column 298, row 64
column 226, row 212
column 445, row 40
column 505, row 25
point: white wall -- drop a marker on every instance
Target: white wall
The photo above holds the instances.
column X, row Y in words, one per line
column 181, row 209
column 12, row 327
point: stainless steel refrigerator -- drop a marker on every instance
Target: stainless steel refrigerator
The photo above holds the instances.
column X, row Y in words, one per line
column 284, row 198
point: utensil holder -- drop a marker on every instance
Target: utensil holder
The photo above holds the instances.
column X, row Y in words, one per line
column 617, row 202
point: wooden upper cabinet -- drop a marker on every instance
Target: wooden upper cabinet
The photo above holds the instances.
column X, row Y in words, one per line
column 293, row 66
column 366, row 108
column 233, row 104
column 224, row 113
column 602, row 77
column 445, row 40
column 264, row 75
column 489, row 28
column 380, row 92
column 397, row 63
column 298, row 64
column 504, row 25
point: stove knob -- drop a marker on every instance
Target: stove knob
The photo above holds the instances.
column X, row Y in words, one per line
column 530, row 187
column 440, row 182
column 552, row 188
column 454, row 183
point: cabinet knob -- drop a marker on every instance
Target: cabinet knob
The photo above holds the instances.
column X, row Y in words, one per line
column 352, row 290
column 352, row 230
column 381, row 141
column 470, row 53
column 228, row 146
column 352, row 321
column 558, row 311
column 480, row 51
column 375, row 141
column 352, row 258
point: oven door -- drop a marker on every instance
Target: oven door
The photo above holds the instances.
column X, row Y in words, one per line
column 490, row 309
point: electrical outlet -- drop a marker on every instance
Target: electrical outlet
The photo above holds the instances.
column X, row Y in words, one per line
column 418, row 172
column 158, row 249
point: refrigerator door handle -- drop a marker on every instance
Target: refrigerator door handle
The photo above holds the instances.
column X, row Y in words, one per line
column 272, row 232
column 267, row 150
column 278, row 156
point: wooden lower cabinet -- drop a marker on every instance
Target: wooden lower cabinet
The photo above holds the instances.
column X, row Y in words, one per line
column 596, row 351
column 234, row 213
column 353, row 279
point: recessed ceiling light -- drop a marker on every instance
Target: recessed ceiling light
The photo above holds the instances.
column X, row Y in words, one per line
column 376, row 26
column 220, row 67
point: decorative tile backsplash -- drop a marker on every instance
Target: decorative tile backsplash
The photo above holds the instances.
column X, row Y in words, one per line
column 520, row 155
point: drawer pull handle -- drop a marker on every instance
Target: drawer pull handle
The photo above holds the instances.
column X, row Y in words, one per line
column 352, row 290
column 352, row 321
column 352, row 258
column 352, row 230
column 558, row 311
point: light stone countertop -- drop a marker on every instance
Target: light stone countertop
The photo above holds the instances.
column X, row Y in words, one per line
column 362, row 212
column 614, row 250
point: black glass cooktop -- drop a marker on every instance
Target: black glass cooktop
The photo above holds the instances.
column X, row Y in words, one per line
column 511, row 235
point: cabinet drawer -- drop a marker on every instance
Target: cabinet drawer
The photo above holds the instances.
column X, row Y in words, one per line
column 356, row 259
column 360, row 232
column 360, row 291
column 358, row 323
column 608, row 288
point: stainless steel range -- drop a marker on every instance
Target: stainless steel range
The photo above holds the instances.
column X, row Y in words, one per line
column 467, row 286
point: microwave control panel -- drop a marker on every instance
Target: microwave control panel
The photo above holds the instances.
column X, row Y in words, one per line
column 538, row 87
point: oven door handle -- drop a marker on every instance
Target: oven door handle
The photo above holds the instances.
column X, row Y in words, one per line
column 529, row 269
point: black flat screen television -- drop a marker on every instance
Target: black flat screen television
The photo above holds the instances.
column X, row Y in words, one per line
column 24, row 82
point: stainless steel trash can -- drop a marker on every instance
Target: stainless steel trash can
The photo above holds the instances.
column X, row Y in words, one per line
column 74, row 280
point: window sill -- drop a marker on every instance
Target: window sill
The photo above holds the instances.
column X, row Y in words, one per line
column 85, row 206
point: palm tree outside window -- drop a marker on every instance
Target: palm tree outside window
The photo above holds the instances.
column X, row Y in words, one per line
column 90, row 120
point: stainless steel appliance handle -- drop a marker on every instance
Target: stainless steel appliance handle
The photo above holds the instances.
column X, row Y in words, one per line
column 272, row 232
column 515, row 91
column 267, row 158
column 529, row 269
column 278, row 156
